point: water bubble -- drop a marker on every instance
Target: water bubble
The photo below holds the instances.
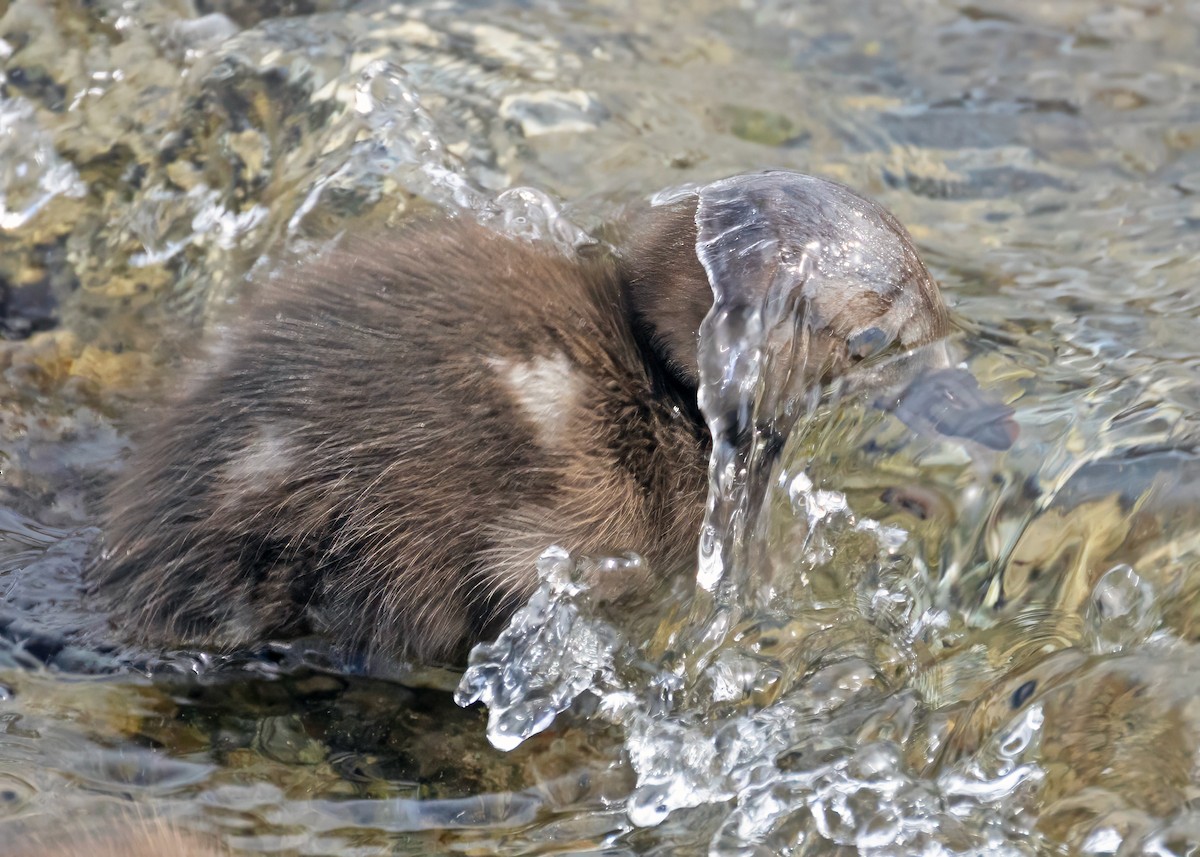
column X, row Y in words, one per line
column 649, row 806
column 533, row 215
column 197, row 36
column 833, row 817
column 880, row 830
column 738, row 676
column 1023, row 734
column 385, row 96
column 875, row 763
column 1121, row 611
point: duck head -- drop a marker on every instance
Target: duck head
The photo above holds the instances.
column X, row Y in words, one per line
column 831, row 274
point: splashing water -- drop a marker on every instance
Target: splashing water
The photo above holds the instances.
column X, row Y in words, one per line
column 810, row 733
column 571, row 655
column 401, row 142
column 31, row 172
column 831, row 687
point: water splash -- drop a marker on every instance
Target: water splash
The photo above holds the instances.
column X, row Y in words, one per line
column 548, row 656
column 31, row 172
column 399, row 142
column 776, row 698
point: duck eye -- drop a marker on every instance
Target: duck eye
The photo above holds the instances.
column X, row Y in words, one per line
column 867, row 343
column 1021, row 694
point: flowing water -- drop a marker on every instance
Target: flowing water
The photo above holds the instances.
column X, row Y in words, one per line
column 898, row 642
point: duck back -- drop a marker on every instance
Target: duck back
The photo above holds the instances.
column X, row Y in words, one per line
column 385, row 440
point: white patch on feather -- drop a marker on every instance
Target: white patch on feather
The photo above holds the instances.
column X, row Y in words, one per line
column 267, row 455
column 546, row 389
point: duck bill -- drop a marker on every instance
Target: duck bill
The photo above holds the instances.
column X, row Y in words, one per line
column 950, row 403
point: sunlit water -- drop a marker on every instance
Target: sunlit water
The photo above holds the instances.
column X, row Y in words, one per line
column 914, row 645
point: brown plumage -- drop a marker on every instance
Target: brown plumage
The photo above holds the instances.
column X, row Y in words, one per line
column 388, row 436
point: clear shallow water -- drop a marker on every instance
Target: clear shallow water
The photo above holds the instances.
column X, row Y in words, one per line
column 938, row 649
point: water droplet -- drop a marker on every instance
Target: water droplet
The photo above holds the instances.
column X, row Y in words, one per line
column 553, row 650
column 1121, row 611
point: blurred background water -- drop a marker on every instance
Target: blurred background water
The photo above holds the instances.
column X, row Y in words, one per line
column 941, row 650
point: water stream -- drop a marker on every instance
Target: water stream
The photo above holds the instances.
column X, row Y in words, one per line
column 897, row 641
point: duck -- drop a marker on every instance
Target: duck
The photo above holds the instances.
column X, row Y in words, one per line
column 386, row 437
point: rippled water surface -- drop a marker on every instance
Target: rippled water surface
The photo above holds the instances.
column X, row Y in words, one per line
column 917, row 645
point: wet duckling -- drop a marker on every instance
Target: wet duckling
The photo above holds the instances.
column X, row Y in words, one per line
column 390, row 435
